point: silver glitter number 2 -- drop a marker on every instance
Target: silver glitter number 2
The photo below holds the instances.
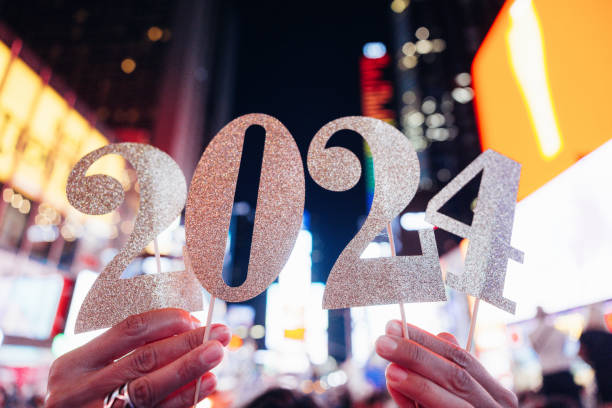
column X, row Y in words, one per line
column 361, row 282
column 489, row 234
column 162, row 198
column 278, row 215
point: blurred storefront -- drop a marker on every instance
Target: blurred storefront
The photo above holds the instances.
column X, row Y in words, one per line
column 49, row 252
column 44, row 243
column 148, row 83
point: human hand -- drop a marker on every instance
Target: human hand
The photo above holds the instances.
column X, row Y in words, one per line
column 159, row 353
column 434, row 371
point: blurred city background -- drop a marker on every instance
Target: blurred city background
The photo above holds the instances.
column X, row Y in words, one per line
column 456, row 77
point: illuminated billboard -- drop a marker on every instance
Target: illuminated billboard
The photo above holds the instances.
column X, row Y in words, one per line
column 565, row 230
column 41, row 135
column 376, row 99
column 542, row 85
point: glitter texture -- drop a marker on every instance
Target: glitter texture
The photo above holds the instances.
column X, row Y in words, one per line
column 489, row 235
column 361, row 282
column 278, row 215
column 162, row 198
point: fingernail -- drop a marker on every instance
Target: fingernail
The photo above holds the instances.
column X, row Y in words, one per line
column 385, row 345
column 211, row 353
column 394, row 328
column 195, row 323
column 208, row 383
column 220, row 333
column 396, row 374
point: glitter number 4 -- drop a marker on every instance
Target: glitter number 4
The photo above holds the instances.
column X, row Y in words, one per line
column 360, row 282
column 489, row 234
column 162, row 198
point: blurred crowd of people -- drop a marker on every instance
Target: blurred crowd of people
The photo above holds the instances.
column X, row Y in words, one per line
column 559, row 388
column 12, row 397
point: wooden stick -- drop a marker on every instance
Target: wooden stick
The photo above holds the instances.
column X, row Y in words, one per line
column 211, row 306
column 157, row 256
column 404, row 324
column 391, row 239
column 468, row 347
column 401, row 304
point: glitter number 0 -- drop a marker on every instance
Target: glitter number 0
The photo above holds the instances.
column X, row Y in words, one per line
column 278, row 215
column 359, row 282
column 162, row 198
column 489, row 234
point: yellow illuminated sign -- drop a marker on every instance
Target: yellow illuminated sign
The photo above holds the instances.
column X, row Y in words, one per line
column 73, row 132
column 5, row 57
column 42, row 137
column 30, row 172
column 542, row 89
column 16, row 99
column 19, row 91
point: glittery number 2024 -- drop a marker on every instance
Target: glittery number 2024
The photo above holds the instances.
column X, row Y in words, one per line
column 280, row 202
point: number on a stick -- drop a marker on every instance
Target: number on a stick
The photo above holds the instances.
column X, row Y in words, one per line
column 278, row 216
column 162, row 198
column 360, row 282
column 489, row 235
